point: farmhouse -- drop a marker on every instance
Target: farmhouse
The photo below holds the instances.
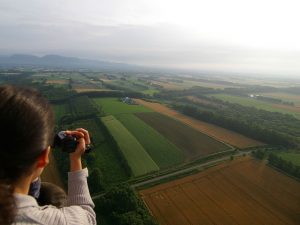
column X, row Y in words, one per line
column 128, row 101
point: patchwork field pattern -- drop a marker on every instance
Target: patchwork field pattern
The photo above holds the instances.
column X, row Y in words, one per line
column 192, row 142
column 106, row 159
column 219, row 133
column 284, row 96
column 240, row 192
column 251, row 102
column 137, row 157
column 112, row 106
column 162, row 151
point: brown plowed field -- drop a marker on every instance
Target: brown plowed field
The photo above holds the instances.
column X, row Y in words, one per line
column 219, row 133
column 240, row 192
column 57, row 81
column 295, row 109
column 82, row 90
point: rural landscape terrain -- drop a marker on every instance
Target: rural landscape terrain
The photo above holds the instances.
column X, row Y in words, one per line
column 178, row 148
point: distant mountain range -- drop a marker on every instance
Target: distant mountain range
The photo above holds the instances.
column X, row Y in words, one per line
column 61, row 62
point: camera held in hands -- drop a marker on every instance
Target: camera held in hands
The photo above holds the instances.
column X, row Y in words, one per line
column 67, row 143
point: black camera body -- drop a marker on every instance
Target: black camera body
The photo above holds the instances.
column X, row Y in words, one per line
column 67, row 143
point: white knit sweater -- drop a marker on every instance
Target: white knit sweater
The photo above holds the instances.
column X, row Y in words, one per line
column 79, row 210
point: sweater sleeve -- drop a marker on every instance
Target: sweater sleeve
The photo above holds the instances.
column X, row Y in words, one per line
column 79, row 209
column 79, row 202
column 78, row 191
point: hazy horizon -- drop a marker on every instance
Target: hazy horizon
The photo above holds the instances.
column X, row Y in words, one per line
column 232, row 36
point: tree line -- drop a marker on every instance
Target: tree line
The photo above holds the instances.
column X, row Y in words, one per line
column 284, row 165
column 120, row 205
column 247, row 124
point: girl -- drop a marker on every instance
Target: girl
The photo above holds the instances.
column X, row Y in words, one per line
column 26, row 122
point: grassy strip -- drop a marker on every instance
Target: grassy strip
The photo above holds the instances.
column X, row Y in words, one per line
column 163, row 152
column 181, row 167
column 105, row 155
column 293, row 157
column 137, row 157
column 112, row 106
column 193, row 143
column 60, row 110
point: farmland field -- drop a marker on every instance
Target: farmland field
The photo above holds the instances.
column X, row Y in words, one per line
column 106, row 158
column 133, row 85
column 189, row 84
column 57, row 81
column 219, row 133
column 293, row 157
column 150, row 92
column 163, row 152
column 112, row 106
column 60, row 110
column 284, row 96
column 192, row 142
column 84, row 90
column 82, row 106
column 251, row 102
column 201, row 100
column 137, row 157
column 239, row 192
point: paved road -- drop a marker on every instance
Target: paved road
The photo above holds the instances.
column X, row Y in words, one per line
column 187, row 170
column 182, row 171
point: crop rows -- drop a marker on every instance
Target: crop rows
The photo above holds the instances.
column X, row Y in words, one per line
column 240, row 192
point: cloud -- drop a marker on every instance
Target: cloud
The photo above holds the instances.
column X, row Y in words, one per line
column 193, row 34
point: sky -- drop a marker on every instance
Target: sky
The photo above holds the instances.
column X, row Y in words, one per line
column 255, row 36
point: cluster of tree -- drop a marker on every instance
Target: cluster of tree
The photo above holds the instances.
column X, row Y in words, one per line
column 126, row 91
column 55, row 95
column 95, row 180
column 245, row 120
column 197, row 79
column 259, row 154
column 273, row 100
column 121, row 206
column 15, row 77
column 239, row 91
column 292, row 90
column 195, row 91
column 82, row 107
column 284, row 165
column 143, row 86
column 175, row 80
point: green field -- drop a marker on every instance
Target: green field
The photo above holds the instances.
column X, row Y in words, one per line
column 163, row 152
column 106, row 158
column 112, row 106
column 189, row 84
column 82, row 106
column 293, row 157
column 251, row 102
column 150, row 92
column 137, row 157
column 283, row 96
column 193, row 143
column 60, row 110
